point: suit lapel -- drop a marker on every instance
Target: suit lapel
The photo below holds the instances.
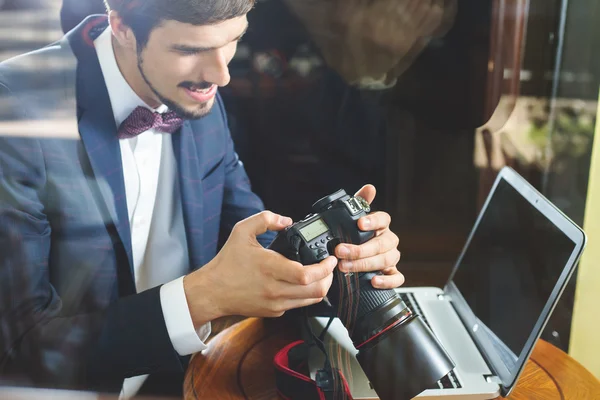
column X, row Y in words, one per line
column 190, row 183
column 98, row 130
column 99, row 135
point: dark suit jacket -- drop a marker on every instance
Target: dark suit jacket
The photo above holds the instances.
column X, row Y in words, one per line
column 69, row 315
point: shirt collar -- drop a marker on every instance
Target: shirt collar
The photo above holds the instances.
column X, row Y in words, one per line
column 122, row 97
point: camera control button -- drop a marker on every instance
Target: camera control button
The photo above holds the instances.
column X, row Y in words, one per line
column 329, row 237
column 323, row 241
column 318, row 244
column 321, row 255
column 312, row 246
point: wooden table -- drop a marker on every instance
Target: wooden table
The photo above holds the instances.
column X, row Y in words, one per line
column 238, row 364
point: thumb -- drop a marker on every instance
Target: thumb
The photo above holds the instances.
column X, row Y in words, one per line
column 264, row 221
column 367, row 192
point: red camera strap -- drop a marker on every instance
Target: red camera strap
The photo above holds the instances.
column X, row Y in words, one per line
column 293, row 378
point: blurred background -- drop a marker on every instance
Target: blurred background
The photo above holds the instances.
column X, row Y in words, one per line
column 426, row 99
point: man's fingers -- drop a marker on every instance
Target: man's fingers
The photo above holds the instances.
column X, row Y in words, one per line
column 295, row 273
column 285, row 290
column 378, row 245
column 286, row 296
column 367, row 192
column 262, row 222
column 314, row 273
column 391, row 279
column 375, row 263
column 375, row 221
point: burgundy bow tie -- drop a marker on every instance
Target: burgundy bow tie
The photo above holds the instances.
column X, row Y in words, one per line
column 142, row 119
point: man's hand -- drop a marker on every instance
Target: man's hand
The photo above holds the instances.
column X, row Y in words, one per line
column 378, row 254
column 247, row 279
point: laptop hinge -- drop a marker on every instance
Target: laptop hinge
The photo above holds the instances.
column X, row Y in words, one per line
column 444, row 297
column 492, row 379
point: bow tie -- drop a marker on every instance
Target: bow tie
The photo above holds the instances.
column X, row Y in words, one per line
column 142, row 119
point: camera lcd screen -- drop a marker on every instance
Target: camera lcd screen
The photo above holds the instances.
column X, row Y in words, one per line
column 311, row 231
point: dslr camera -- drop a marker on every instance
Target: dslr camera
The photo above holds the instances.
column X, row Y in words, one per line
column 397, row 351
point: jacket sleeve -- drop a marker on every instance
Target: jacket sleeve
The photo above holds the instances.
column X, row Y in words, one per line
column 41, row 342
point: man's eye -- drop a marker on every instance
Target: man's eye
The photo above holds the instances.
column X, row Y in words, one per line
column 188, row 52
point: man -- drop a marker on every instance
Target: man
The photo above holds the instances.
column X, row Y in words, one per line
column 109, row 270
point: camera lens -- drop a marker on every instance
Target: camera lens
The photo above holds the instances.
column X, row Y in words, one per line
column 365, row 311
column 396, row 350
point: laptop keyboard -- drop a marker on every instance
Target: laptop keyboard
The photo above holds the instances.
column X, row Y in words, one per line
column 449, row 381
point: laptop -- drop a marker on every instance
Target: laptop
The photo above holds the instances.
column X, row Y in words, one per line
column 512, row 270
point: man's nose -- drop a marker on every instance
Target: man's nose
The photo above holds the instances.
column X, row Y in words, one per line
column 215, row 69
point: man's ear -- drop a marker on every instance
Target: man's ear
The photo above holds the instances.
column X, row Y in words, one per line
column 122, row 32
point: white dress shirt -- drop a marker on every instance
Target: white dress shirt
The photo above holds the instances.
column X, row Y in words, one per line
column 158, row 240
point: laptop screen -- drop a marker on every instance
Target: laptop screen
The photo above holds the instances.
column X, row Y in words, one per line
column 511, row 266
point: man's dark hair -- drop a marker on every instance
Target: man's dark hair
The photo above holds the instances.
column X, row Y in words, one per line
column 145, row 15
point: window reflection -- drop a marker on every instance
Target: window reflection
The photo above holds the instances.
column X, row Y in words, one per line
column 474, row 85
column 426, row 99
column 27, row 26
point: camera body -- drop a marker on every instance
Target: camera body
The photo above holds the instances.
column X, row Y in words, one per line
column 333, row 221
column 396, row 349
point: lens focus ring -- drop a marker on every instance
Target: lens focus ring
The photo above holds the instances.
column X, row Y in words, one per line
column 372, row 298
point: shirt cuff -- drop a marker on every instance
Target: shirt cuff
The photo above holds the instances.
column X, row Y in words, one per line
column 185, row 339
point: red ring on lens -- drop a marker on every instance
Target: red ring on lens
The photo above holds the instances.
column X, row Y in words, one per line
column 390, row 326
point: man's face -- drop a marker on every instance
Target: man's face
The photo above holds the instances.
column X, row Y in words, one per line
column 183, row 64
